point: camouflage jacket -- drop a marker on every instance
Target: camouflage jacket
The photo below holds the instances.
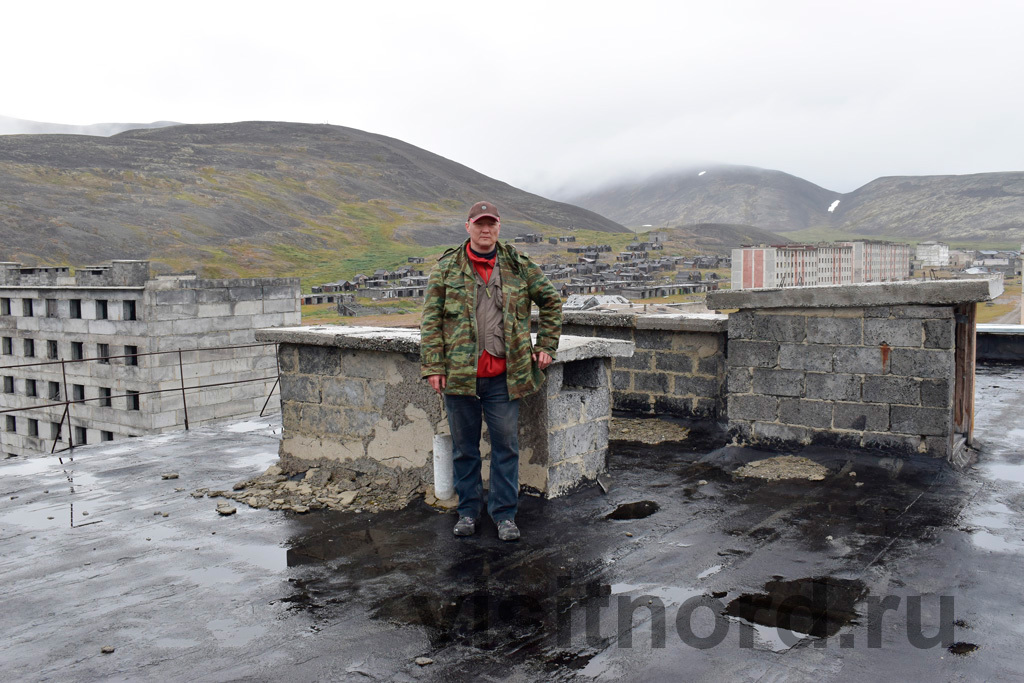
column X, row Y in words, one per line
column 448, row 333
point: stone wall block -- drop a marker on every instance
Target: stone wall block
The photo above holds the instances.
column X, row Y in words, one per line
column 302, row 388
column 671, row 405
column 939, row 334
column 753, row 407
column 318, row 360
column 860, row 416
column 922, row 363
column 898, row 332
column 834, row 331
column 782, row 328
column 861, row 360
column 778, row 382
column 937, row 393
column 752, row 354
column 892, row 389
column 798, row 411
column 653, row 339
column 712, row 365
column 833, row 386
column 344, row 391
column 622, row 380
column 738, row 380
column 897, row 444
column 924, row 421
column 597, row 405
column 779, row 435
column 632, row 402
column 640, row 360
column 668, row 361
column 922, row 312
column 365, row 364
column 741, row 325
column 878, row 312
column 696, row 386
column 651, row 382
column 816, row 357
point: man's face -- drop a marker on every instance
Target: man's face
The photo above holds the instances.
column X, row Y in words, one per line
column 483, row 234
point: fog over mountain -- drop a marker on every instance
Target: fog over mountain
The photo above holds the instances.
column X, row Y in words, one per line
column 11, row 126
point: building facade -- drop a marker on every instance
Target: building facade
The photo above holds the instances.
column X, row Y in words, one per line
column 117, row 343
column 808, row 265
column 932, row 254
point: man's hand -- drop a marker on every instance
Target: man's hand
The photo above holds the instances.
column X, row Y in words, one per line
column 438, row 382
column 542, row 359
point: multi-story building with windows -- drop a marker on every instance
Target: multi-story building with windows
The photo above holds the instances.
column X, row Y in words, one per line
column 99, row 338
column 806, row 265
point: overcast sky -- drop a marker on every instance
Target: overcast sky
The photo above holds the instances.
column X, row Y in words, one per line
column 555, row 96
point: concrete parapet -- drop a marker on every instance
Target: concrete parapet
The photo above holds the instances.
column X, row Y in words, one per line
column 678, row 367
column 353, row 400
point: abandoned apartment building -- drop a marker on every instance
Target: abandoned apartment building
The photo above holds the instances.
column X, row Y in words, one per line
column 125, row 354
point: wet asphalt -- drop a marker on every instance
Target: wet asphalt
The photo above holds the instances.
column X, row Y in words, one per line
column 696, row 582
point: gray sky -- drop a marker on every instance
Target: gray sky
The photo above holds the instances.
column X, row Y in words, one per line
column 555, row 96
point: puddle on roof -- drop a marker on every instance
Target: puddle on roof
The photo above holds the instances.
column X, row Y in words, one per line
column 248, row 426
column 1004, row 472
column 232, row 633
column 637, row 510
column 993, row 542
column 816, row 607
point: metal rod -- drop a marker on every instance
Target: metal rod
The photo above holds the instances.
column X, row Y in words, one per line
column 277, row 360
column 181, row 376
column 67, row 405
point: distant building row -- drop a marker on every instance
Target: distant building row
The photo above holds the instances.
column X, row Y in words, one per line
column 806, row 265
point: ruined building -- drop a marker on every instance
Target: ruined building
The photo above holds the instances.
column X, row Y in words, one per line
column 107, row 339
column 810, row 265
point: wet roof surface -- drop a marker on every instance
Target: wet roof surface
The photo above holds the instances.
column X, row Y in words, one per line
column 89, row 560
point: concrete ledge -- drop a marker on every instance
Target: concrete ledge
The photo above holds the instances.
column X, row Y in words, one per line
column 405, row 340
column 908, row 292
column 674, row 322
column 1001, row 343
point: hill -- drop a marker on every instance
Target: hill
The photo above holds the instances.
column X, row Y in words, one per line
column 251, row 198
column 983, row 208
column 10, row 126
column 744, row 195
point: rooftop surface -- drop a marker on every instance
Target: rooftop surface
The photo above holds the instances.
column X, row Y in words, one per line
column 89, row 560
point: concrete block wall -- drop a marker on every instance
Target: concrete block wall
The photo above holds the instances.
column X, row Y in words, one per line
column 678, row 367
column 353, row 401
column 878, row 378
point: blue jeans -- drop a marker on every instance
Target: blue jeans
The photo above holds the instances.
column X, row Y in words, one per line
column 464, row 419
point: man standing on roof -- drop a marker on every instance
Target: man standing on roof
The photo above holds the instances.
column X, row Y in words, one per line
column 475, row 349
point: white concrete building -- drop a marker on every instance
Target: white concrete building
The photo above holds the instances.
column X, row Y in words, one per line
column 932, row 254
column 805, row 265
column 98, row 337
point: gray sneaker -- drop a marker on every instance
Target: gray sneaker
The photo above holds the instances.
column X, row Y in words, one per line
column 507, row 530
column 466, row 526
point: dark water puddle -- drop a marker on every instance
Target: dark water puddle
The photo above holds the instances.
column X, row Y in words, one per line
column 637, row 510
column 818, row 606
column 962, row 649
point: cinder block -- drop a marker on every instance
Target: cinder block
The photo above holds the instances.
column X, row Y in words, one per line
column 779, row 435
column 939, row 334
column 576, row 440
column 860, row 416
column 922, row 312
column 738, row 380
column 632, row 402
column 833, row 386
column 622, row 380
column 640, row 360
column 898, row 332
column 936, row 393
column 897, row 444
column 653, row 339
column 752, row 354
column 671, row 405
column 708, row 408
column 651, row 382
column 344, row 391
column 588, row 373
column 300, row 388
column 924, row 421
column 597, row 405
column 685, row 385
column 921, row 363
column 753, row 407
column 798, row 411
column 782, row 328
column 860, row 360
column 712, row 365
column 891, row 389
column 778, row 382
column 834, row 330
column 741, row 325
column 669, row 361
column 359, row 423
column 816, row 357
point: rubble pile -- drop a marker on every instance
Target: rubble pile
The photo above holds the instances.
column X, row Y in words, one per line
column 783, row 467
column 318, row 488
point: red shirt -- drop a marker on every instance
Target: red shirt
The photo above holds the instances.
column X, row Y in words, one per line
column 488, row 365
